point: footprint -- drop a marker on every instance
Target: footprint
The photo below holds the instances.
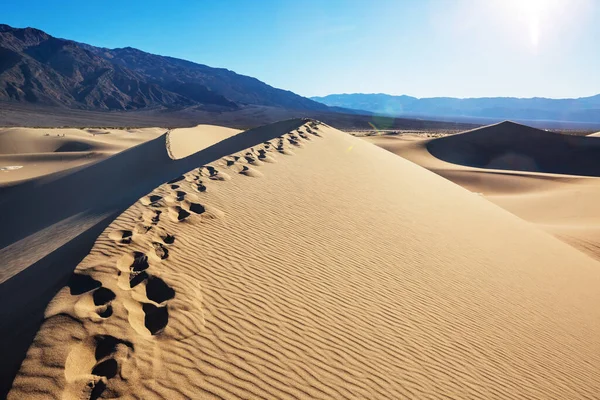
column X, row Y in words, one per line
column 247, row 171
column 153, row 289
column 176, row 196
column 109, row 364
column 205, row 211
column 294, row 142
column 121, row 236
column 231, row 160
column 151, row 216
column 282, row 147
column 303, row 135
column 158, row 291
column 264, row 157
column 150, row 199
column 191, row 178
column 93, row 300
column 147, row 319
column 141, row 228
column 155, row 318
column 153, row 301
column 178, row 214
column 196, row 208
column 267, row 146
column 313, row 133
column 102, row 298
column 130, row 266
column 148, row 313
column 284, row 150
column 201, row 187
column 213, row 174
column 160, row 250
column 252, row 159
column 133, row 262
column 168, row 239
column 162, row 236
column 137, row 279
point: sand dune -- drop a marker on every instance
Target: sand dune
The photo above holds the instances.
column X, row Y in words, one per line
column 564, row 205
column 41, row 152
column 184, row 142
column 55, row 219
column 512, row 146
column 295, row 261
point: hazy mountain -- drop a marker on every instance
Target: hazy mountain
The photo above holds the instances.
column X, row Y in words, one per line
column 585, row 109
column 40, row 69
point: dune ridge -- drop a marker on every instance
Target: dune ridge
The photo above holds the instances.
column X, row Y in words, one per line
column 561, row 204
column 512, row 146
column 316, row 265
column 41, row 152
column 55, row 219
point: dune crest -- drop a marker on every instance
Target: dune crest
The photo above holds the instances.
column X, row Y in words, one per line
column 183, row 142
column 41, row 152
column 511, row 146
column 336, row 270
column 561, row 204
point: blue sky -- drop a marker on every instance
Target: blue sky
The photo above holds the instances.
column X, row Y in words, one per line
column 423, row 48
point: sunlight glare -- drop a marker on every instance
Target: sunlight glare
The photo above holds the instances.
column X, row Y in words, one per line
column 540, row 19
column 534, row 30
column 531, row 11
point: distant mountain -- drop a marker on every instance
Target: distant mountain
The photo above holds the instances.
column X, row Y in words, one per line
column 40, row 69
column 585, row 109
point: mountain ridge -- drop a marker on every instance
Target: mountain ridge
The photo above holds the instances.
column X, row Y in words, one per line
column 583, row 109
column 38, row 68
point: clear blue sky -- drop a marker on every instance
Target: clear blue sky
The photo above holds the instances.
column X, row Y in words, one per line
column 423, row 48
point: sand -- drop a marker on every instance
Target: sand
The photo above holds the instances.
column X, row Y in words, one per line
column 51, row 221
column 184, row 142
column 561, row 204
column 40, row 152
column 305, row 263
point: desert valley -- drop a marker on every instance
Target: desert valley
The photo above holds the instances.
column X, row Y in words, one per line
column 175, row 231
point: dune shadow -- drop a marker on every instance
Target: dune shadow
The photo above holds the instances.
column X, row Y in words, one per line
column 107, row 187
column 516, row 147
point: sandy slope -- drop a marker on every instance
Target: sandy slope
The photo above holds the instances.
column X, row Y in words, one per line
column 184, row 142
column 564, row 205
column 40, row 152
column 318, row 266
column 50, row 223
column 512, row 146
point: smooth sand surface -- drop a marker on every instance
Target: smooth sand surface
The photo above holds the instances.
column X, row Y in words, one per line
column 184, row 142
column 564, row 205
column 308, row 264
column 40, row 152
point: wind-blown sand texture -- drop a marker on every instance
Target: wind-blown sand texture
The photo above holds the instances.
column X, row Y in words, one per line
column 297, row 262
column 531, row 178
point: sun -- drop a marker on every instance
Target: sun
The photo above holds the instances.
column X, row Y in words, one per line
column 531, row 13
column 534, row 30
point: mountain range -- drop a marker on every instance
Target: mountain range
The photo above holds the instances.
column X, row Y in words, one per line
column 39, row 71
column 37, row 68
column 585, row 109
